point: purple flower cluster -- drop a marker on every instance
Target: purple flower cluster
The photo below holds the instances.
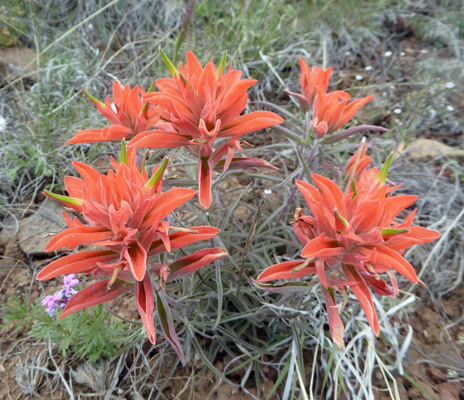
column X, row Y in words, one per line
column 59, row 300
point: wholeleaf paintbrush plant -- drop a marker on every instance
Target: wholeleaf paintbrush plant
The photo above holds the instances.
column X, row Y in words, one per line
column 124, row 213
column 349, row 237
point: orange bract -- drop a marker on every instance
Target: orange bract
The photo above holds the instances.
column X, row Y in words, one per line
column 199, row 105
column 333, row 110
column 310, row 80
column 128, row 115
column 125, row 214
column 350, row 238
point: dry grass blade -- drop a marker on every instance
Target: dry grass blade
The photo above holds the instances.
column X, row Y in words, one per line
column 254, row 225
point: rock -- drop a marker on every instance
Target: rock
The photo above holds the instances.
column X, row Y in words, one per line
column 10, row 227
column 32, row 230
column 450, row 390
column 437, row 374
column 15, row 60
column 427, row 149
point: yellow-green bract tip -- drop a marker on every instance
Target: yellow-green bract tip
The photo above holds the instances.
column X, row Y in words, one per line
column 172, row 69
column 384, row 171
column 123, row 156
column 154, row 180
column 66, row 199
column 92, row 98
column 353, row 188
column 222, row 65
column 340, row 218
column 392, row 231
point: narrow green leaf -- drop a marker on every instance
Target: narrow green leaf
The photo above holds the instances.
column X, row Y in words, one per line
column 328, row 369
column 406, row 376
column 208, row 363
column 220, row 295
column 66, row 199
column 256, row 356
column 142, row 164
column 92, row 98
column 172, row 69
column 152, row 86
column 150, row 89
column 167, row 325
column 340, row 218
column 353, row 188
column 222, row 64
column 384, row 171
column 154, row 180
column 392, row 231
column 279, row 379
column 123, row 156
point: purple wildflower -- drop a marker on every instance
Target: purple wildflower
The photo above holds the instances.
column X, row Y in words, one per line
column 60, row 299
column 69, row 282
column 51, row 302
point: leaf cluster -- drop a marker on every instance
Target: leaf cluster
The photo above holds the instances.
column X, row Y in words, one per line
column 88, row 334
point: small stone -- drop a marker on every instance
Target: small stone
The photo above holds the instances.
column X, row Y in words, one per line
column 387, row 54
column 449, row 85
column 16, row 59
column 10, row 227
column 359, row 77
column 449, row 390
column 450, row 108
column 428, row 149
column 32, row 230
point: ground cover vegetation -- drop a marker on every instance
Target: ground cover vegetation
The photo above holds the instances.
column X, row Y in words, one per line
column 273, row 173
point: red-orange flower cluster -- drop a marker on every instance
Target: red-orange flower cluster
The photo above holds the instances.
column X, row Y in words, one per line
column 351, row 238
column 125, row 214
column 310, row 80
column 331, row 111
column 127, row 113
column 199, row 105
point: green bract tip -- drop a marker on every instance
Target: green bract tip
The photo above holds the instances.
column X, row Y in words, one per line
column 92, row 98
column 384, row 171
column 392, row 231
column 65, row 199
column 222, row 65
column 156, row 177
column 172, row 69
column 123, row 156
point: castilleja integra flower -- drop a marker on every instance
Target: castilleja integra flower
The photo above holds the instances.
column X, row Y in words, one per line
column 125, row 214
column 199, row 105
column 331, row 111
column 127, row 113
column 310, row 80
column 350, row 238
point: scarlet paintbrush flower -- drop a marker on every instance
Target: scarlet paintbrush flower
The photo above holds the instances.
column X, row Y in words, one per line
column 125, row 214
column 358, row 163
column 127, row 113
column 199, row 105
column 333, row 110
column 310, row 79
column 351, row 238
